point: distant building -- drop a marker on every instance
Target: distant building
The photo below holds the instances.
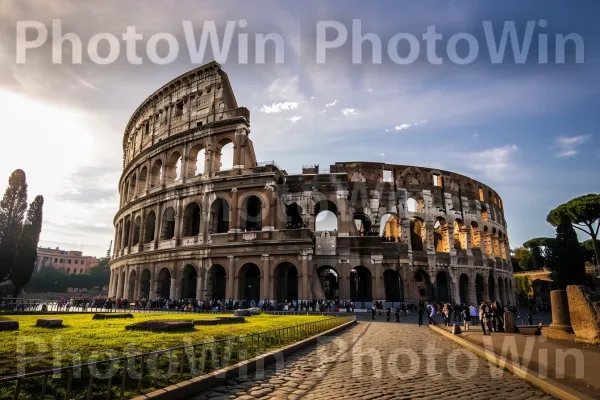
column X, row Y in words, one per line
column 71, row 262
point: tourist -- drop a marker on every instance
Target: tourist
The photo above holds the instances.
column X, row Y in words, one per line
column 388, row 314
column 431, row 309
column 482, row 317
column 397, row 312
column 373, row 312
column 474, row 314
column 420, row 312
column 446, row 314
column 466, row 315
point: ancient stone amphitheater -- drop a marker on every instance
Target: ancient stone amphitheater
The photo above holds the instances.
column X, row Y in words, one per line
column 190, row 228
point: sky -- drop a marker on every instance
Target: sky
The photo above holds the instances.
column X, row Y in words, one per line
column 526, row 127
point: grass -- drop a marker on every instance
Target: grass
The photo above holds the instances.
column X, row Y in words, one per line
column 81, row 338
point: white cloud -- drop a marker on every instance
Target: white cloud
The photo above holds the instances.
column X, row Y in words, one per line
column 294, row 119
column 494, row 165
column 348, row 111
column 475, row 135
column 333, row 103
column 403, row 127
column 279, row 107
column 567, row 145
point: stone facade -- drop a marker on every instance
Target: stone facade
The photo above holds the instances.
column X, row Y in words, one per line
column 188, row 228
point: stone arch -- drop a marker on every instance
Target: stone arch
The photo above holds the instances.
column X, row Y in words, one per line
column 491, row 288
column 191, row 219
column 412, row 205
column 163, row 283
column 361, row 282
column 285, row 282
column 130, row 295
column 326, row 216
column 443, row 284
column 249, row 282
column 463, row 289
column 441, row 240
column 219, row 216
column 293, row 214
column 501, row 291
column 189, row 280
column 475, row 235
column 131, row 192
column 393, row 285
column 330, row 281
column 125, row 192
column 480, row 288
column 127, row 230
column 156, row 173
column 484, row 213
column 137, row 226
column 251, row 212
column 495, row 243
column 142, row 181
column 150, row 227
column 196, row 161
column 173, row 170
column 168, row 224
column 216, row 284
column 423, row 285
column 225, row 154
column 362, row 223
column 145, row 278
column 390, row 228
column 487, row 242
column 460, row 238
column 417, row 233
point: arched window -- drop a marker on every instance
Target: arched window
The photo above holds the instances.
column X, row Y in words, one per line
column 191, row 220
column 326, row 216
column 137, row 225
column 196, row 161
column 174, row 168
column 219, row 216
column 440, row 236
column 251, row 214
column 225, row 156
column 132, row 187
column 412, row 205
column 142, row 181
column 294, row 216
column 150, row 227
column 168, row 224
column 363, row 224
column 156, row 174
column 475, row 235
column 417, row 233
column 459, row 236
column 389, row 228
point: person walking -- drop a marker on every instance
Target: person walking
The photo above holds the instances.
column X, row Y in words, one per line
column 446, row 314
column 474, row 314
column 397, row 312
column 373, row 312
column 431, row 314
column 482, row 318
column 388, row 314
column 466, row 315
column 420, row 312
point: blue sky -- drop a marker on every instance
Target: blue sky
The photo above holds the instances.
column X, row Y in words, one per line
column 528, row 130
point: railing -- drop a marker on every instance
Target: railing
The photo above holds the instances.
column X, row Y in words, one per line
column 125, row 377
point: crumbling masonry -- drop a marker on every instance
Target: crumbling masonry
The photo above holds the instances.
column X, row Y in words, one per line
column 188, row 228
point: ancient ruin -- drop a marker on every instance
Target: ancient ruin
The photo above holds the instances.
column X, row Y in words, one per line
column 190, row 226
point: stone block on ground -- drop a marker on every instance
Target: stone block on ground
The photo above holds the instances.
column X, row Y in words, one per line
column 584, row 308
column 219, row 321
column 242, row 313
column 254, row 310
column 456, row 329
column 49, row 322
column 9, row 325
column 509, row 322
column 232, row 320
column 112, row 316
column 206, row 321
column 162, row 326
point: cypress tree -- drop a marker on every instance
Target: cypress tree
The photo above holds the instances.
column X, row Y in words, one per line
column 27, row 246
column 12, row 211
column 567, row 260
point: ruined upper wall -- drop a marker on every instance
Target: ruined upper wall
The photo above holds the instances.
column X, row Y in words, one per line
column 198, row 97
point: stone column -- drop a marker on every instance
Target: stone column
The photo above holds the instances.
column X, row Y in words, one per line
column 561, row 318
column 456, row 290
column 235, row 223
column 153, row 283
column 123, row 235
column 119, row 293
column 305, row 263
column 199, row 287
column 268, row 210
column 231, row 276
column 178, row 222
column 138, row 278
column 111, row 283
column 157, row 226
column 265, row 288
column 173, row 291
column 377, row 293
column 130, row 234
column 343, row 217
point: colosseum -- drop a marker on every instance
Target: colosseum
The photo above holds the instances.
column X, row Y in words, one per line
column 200, row 218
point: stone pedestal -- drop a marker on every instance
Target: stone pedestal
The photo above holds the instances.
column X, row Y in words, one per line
column 560, row 311
column 509, row 322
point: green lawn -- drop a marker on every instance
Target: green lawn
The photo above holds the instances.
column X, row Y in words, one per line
column 41, row 348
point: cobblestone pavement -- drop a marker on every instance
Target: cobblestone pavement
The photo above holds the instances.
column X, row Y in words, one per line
column 380, row 361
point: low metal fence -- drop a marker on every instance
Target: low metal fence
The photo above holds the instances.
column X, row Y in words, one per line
column 124, row 377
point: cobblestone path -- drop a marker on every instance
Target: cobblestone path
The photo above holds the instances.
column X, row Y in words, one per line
column 380, row 361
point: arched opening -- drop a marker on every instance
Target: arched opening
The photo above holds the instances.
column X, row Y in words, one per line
column 329, row 279
column 168, row 224
column 127, row 230
column 163, row 284
column 249, row 282
column 285, row 282
column 507, row 290
column 484, row 213
column 463, row 289
column 150, row 227
column 487, row 241
column 142, row 181
column 423, row 285
column 191, row 220
column 174, row 168
column 440, row 236
column 118, row 247
column 412, row 205
column 389, row 228
column 251, row 214
column 363, row 224
column 326, row 216
column 491, row 288
column 501, row 292
column 475, row 236
column 393, row 286
column 125, row 193
column 459, row 235
column 225, row 155
column 137, row 225
column 480, row 288
column 132, row 187
column 360, row 284
column 145, row 284
column 219, row 216
column 294, row 216
column 443, row 287
column 495, row 243
column 131, row 285
column 156, row 174
column 216, row 283
column 417, row 228
column 189, row 282
column 196, row 161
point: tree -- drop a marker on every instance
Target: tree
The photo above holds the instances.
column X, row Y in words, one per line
column 522, row 257
column 566, row 259
column 26, row 254
column 12, row 211
column 541, row 249
column 584, row 214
